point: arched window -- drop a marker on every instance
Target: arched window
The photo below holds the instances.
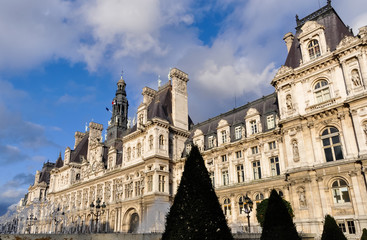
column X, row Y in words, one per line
column 322, row 91
column 331, row 144
column 340, row 191
column 77, row 177
column 227, row 207
column 161, row 141
column 150, row 142
column 128, row 157
column 138, row 149
column 314, row 49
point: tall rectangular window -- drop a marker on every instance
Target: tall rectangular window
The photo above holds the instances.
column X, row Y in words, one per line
column 240, row 174
column 351, row 227
column 212, row 178
column 225, row 177
column 150, row 183
column 210, row 141
column 255, row 150
column 272, row 145
column 274, row 165
column 253, row 125
column 137, row 189
column 224, row 158
column 161, row 183
column 256, row 169
column 238, row 154
column 238, row 132
column 270, row 121
column 224, row 136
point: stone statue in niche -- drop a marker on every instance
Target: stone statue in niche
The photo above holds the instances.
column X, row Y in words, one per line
column 355, row 78
column 288, row 101
column 302, row 197
column 295, row 149
column 365, row 129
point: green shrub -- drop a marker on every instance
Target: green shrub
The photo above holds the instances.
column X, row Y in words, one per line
column 196, row 212
column 278, row 223
column 263, row 205
column 331, row 230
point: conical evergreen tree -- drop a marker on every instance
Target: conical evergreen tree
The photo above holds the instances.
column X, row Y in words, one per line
column 364, row 234
column 278, row 224
column 332, row 230
column 196, row 212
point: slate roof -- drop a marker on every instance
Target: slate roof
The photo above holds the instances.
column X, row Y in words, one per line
column 161, row 105
column 45, row 172
column 266, row 105
column 335, row 31
column 80, row 150
column 59, row 162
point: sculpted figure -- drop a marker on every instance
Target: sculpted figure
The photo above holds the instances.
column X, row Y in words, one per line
column 295, row 148
column 302, row 197
column 288, row 101
column 355, row 78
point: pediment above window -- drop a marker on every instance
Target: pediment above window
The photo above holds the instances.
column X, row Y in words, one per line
column 222, row 123
column 251, row 112
column 309, row 28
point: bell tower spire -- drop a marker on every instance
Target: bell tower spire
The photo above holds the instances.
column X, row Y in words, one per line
column 118, row 123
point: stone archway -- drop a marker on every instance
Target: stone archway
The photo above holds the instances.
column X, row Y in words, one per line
column 133, row 223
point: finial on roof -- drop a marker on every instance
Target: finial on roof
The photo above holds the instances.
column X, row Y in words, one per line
column 297, row 19
column 329, row 2
column 122, row 72
column 159, row 81
column 60, row 154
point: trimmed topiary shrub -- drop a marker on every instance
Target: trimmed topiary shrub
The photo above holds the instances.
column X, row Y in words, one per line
column 196, row 212
column 261, row 210
column 331, row 230
column 278, row 224
column 364, row 234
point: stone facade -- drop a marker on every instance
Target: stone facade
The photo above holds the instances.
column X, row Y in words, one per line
column 307, row 140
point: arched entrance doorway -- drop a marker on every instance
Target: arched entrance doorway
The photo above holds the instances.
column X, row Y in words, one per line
column 134, row 223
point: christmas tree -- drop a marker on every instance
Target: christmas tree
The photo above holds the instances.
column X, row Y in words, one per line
column 196, row 212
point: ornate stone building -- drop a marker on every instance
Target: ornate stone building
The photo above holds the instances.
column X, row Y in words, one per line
column 308, row 140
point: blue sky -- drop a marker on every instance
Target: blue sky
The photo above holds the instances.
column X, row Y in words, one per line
column 60, row 61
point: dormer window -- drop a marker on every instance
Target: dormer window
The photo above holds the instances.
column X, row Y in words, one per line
column 210, row 141
column 253, row 127
column 314, row 49
column 322, row 91
column 238, row 132
column 224, row 136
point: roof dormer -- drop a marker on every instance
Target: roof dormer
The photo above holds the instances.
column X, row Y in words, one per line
column 312, row 41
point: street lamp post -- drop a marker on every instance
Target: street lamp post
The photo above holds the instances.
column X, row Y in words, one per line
column 30, row 222
column 247, row 208
column 96, row 210
column 56, row 219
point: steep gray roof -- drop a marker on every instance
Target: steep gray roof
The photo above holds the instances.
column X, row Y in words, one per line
column 45, row 172
column 266, row 105
column 80, row 150
column 59, row 162
column 161, row 105
column 335, row 31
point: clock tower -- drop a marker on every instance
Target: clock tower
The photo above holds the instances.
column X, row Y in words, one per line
column 118, row 123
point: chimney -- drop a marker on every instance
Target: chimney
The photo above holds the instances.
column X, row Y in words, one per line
column 362, row 32
column 78, row 137
column 180, row 113
column 148, row 95
column 288, row 38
